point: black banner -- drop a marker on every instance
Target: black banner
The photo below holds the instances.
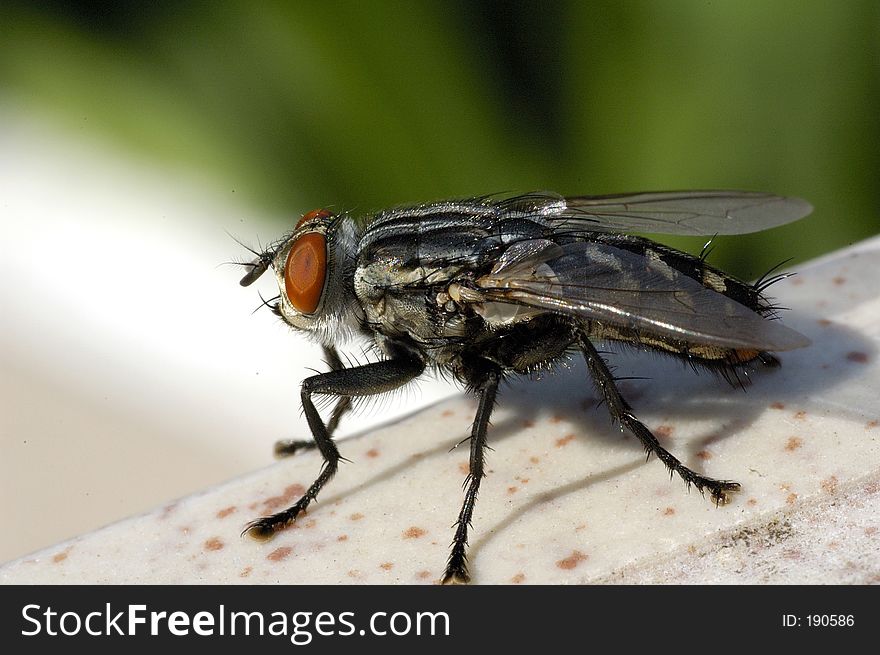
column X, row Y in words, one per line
column 400, row 619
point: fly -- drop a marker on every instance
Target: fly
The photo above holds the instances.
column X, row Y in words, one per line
column 487, row 288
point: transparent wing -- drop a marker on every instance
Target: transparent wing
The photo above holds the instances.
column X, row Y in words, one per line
column 666, row 212
column 611, row 285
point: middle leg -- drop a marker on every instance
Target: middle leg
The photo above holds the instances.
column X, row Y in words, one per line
column 456, row 568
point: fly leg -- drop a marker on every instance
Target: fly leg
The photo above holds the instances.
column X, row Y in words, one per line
column 456, row 568
column 287, row 447
column 622, row 412
column 367, row 380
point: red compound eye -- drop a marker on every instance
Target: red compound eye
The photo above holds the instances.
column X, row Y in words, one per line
column 315, row 213
column 306, row 270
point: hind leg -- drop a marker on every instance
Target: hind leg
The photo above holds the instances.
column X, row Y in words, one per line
column 621, row 411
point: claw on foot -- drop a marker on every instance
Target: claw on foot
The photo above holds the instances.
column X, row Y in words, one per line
column 288, row 447
column 721, row 494
column 455, row 577
column 261, row 530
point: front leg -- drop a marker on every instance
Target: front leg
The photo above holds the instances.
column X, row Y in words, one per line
column 366, row 380
column 288, row 447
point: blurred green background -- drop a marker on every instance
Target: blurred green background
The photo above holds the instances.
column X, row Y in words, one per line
column 360, row 105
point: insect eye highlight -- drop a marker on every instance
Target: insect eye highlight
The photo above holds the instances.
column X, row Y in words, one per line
column 305, row 272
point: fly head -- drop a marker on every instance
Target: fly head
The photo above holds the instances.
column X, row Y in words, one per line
column 312, row 267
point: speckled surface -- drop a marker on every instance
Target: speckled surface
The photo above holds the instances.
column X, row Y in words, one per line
column 568, row 498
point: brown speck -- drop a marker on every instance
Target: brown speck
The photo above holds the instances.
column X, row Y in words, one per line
column 213, row 543
column 870, row 425
column 447, row 412
column 564, row 441
column 669, row 511
column 582, row 526
column 373, row 453
column 834, row 544
column 534, row 459
column 291, row 493
column 311, row 523
column 413, row 533
column 60, row 557
column 872, row 487
column 512, row 490
column 824, row 322
column 423, row 575
column 793, row 444
column 226, row 511
column 528, row 423
column 871, row 530
column 830, row 484
column 664, row 431
column 839, row 280
column 524, row 480
column 464, row 468
column 704, row 455
column 791, row 498
column 519, row 578
column 800, row 416
column 386, row 566
column 167, row 510
column 791, row 553
column 357, row 516
column 857, row 356
column 279, row 554
column 572, row 560
column 245, row 572
column 752, row 502
column 692, row 550
column 354, row 573
column 342, row 537
column 556, row 418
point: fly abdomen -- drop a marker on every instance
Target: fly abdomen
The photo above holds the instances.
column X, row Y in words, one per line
column 693, row 267
column 727, row 363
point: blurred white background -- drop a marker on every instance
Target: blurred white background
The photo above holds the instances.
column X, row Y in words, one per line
column 134, row 370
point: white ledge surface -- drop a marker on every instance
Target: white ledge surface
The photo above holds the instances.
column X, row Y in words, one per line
column 568, row 498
